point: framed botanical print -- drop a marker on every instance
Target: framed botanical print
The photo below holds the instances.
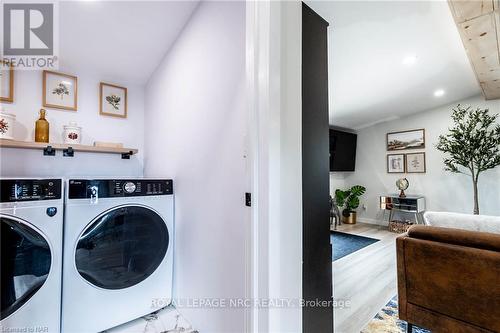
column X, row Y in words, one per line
column 112, row 100
column 60, row 91
column 414, row 139
column 6, row 82
column 396, row 163
column 415, row 163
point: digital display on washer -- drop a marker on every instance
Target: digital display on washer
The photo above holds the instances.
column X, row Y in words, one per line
column 13, row 190
column 116, row 188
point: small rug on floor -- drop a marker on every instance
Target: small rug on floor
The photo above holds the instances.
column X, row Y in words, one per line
column 344, row 244
column 387, row 321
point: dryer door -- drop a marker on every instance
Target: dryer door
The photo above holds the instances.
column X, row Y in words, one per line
column 25, row 261
column 122, row 247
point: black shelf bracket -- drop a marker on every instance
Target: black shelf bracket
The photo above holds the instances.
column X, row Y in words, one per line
column 69, row 152
column 126, row 156
column 49, row 151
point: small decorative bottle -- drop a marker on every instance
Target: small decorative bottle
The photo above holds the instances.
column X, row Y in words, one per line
column 42, row 128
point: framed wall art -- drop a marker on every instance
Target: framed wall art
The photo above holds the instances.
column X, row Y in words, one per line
column 414, row 139
column 396, row 163
column 415, row 163
column 112, row 100
column 60, row 91
column 6, row 82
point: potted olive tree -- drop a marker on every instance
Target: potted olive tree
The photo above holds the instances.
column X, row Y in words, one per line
column 348, row 201
column 472, row 145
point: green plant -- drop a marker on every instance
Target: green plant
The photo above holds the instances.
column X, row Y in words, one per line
column 349, row 199
column 472, row 145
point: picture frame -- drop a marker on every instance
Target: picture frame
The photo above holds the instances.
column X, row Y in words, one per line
column 415, row 163
column 113, row 100
column 6, row 82
column 60, row 91
column 396, row 163
column 402, row 140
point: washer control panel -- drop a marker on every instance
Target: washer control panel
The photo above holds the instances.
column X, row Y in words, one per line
column 115, row 188
column 13, row 190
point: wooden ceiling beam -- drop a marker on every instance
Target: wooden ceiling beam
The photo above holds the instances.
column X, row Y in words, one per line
column 478, row 22
column 470, row 9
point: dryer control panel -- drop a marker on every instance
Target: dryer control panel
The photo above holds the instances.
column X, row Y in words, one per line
column 118, row 188
column 14, row 190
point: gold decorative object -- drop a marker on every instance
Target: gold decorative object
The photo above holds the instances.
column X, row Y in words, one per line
column 351, row 219
column 42, row 128
column 402, row 185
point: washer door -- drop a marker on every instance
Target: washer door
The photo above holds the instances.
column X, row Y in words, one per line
column 25, row 261
column 122, row 247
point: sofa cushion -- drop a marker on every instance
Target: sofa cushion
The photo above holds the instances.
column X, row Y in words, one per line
column 470, row 222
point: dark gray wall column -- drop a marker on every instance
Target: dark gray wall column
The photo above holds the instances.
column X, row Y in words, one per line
column 317, row 254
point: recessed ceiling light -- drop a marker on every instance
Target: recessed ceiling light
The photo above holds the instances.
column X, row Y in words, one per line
column 410, row 60
column 439, row 93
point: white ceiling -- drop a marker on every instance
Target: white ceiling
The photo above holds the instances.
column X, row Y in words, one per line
column 368, row 41
column 124, row 41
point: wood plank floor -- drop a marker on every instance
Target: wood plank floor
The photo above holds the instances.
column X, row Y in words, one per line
column 367, row 278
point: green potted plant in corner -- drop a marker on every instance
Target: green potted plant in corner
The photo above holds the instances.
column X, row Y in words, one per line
column 348, row 201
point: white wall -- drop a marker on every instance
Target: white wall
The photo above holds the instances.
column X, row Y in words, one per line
column 444, row 191
column 274, row 56
column 195, row 125
column 28, row 101
column 282, row 124
column 338, row 181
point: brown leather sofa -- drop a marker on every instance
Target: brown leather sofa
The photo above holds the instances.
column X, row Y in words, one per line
column 449, row 279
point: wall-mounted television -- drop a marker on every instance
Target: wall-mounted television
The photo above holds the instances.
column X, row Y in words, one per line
column 342, row 150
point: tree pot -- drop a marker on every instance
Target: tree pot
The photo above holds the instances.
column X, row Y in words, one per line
column 350, row 219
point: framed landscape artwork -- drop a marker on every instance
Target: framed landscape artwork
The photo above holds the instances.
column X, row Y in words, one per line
column 60, row 91
column 414, row 139
column 415, row 163
column 396, row 163
column 112, row 100
column 6, row 82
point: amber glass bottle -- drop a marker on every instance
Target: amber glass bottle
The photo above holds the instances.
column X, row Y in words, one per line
column 42, row 128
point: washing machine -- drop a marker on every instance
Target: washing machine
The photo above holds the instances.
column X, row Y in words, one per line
column 118, row 251
column 31, row 218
